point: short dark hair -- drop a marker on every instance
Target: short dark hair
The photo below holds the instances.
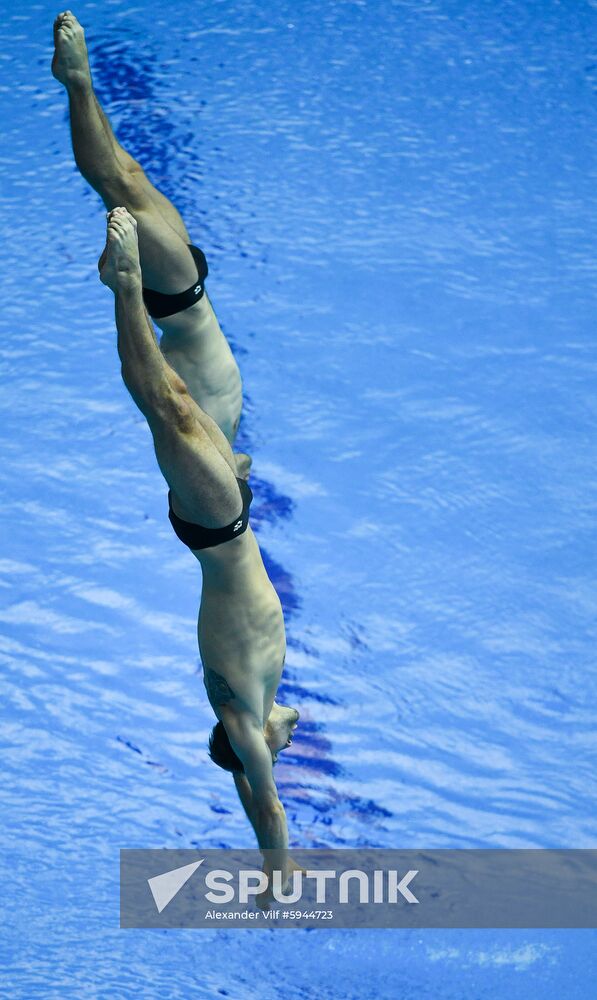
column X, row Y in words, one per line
column 220, row 750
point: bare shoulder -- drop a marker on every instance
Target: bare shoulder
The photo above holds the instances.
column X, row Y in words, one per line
column 248, row 742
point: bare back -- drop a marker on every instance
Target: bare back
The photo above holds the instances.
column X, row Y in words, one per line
column 241, row 627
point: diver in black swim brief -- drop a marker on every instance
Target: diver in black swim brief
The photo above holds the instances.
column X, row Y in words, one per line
column 241, row 626
column 174, row 270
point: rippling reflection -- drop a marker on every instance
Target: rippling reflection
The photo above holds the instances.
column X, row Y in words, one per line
column 397, row 203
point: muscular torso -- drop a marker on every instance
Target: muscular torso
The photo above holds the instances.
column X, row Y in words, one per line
column 241, row 628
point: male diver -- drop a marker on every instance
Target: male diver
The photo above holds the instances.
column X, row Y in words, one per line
column 241, row 627
column 174, row 270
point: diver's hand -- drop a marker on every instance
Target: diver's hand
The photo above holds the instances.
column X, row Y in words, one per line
column 265, row 898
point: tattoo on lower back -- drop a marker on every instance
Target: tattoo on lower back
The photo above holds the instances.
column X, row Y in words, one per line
column 218, row 689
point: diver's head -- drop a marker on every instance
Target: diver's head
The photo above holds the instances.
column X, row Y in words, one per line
column 277, row 733
column 279, row 728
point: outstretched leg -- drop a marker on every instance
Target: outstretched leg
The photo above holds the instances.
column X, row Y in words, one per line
column 193, row 454
column 165, row 259
column 193, row 342
column 167, row 210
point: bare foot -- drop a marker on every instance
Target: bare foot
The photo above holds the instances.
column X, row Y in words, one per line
column 243, row 464
column 119, row 263
column 70, row 64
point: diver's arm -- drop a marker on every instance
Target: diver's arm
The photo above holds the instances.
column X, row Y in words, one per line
column 260, row 801
column 245, row 795
column 258, row 793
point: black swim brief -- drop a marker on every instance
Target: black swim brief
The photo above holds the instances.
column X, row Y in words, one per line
column 159, row 305
column 197, row 537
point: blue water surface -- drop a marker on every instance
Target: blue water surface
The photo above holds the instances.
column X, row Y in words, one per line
column 397, row 203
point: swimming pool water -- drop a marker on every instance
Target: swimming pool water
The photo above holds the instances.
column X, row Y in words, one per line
column 396, row 200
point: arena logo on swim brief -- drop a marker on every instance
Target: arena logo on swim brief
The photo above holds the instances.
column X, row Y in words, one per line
column 360, row 888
